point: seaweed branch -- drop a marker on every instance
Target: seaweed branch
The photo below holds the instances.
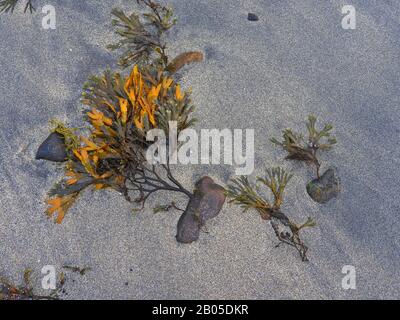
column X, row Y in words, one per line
column 166, row 208
column 246, row 195
column 145, row 179
column 141, row 36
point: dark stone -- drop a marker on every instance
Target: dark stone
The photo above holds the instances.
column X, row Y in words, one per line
column 213, row 198
column 189, row 224
column 325, row 188
column 53, row 148
column 252, row 17
column 206, row 203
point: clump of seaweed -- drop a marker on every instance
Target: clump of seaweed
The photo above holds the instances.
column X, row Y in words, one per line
column 8, row 6
column 10, row 291
column 121, row 110
column 326, row 186
column 306, row 150
column 247, row 195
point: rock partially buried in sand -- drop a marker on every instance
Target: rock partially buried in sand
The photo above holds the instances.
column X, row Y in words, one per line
column 252, row 17
column 53, row 148
column 325, row 188
column 205, row 204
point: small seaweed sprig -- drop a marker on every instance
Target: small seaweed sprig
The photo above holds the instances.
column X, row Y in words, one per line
column 8, row 6
column 141, row 35
column 246, row 195
column 141, row 38
column 306, row 150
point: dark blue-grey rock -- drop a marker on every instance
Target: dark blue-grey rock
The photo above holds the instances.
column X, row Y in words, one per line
column 53, row 148
column 205, row 204
column 325, row 188
column 252, row 17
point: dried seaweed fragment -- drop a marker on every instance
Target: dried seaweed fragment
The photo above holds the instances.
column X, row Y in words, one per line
column 81, row 270
column 184, row 59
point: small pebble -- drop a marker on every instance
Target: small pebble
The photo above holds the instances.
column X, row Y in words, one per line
column 324, row 189
column 252, row 17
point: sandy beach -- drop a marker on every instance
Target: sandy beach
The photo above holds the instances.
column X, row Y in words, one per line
column 266, row 75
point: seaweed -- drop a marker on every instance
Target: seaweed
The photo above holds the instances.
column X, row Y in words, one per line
column 247, row 195
column 300, row 149
column 120, row 110
column 142, row 38
column 142, row 35
column 81, row 270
